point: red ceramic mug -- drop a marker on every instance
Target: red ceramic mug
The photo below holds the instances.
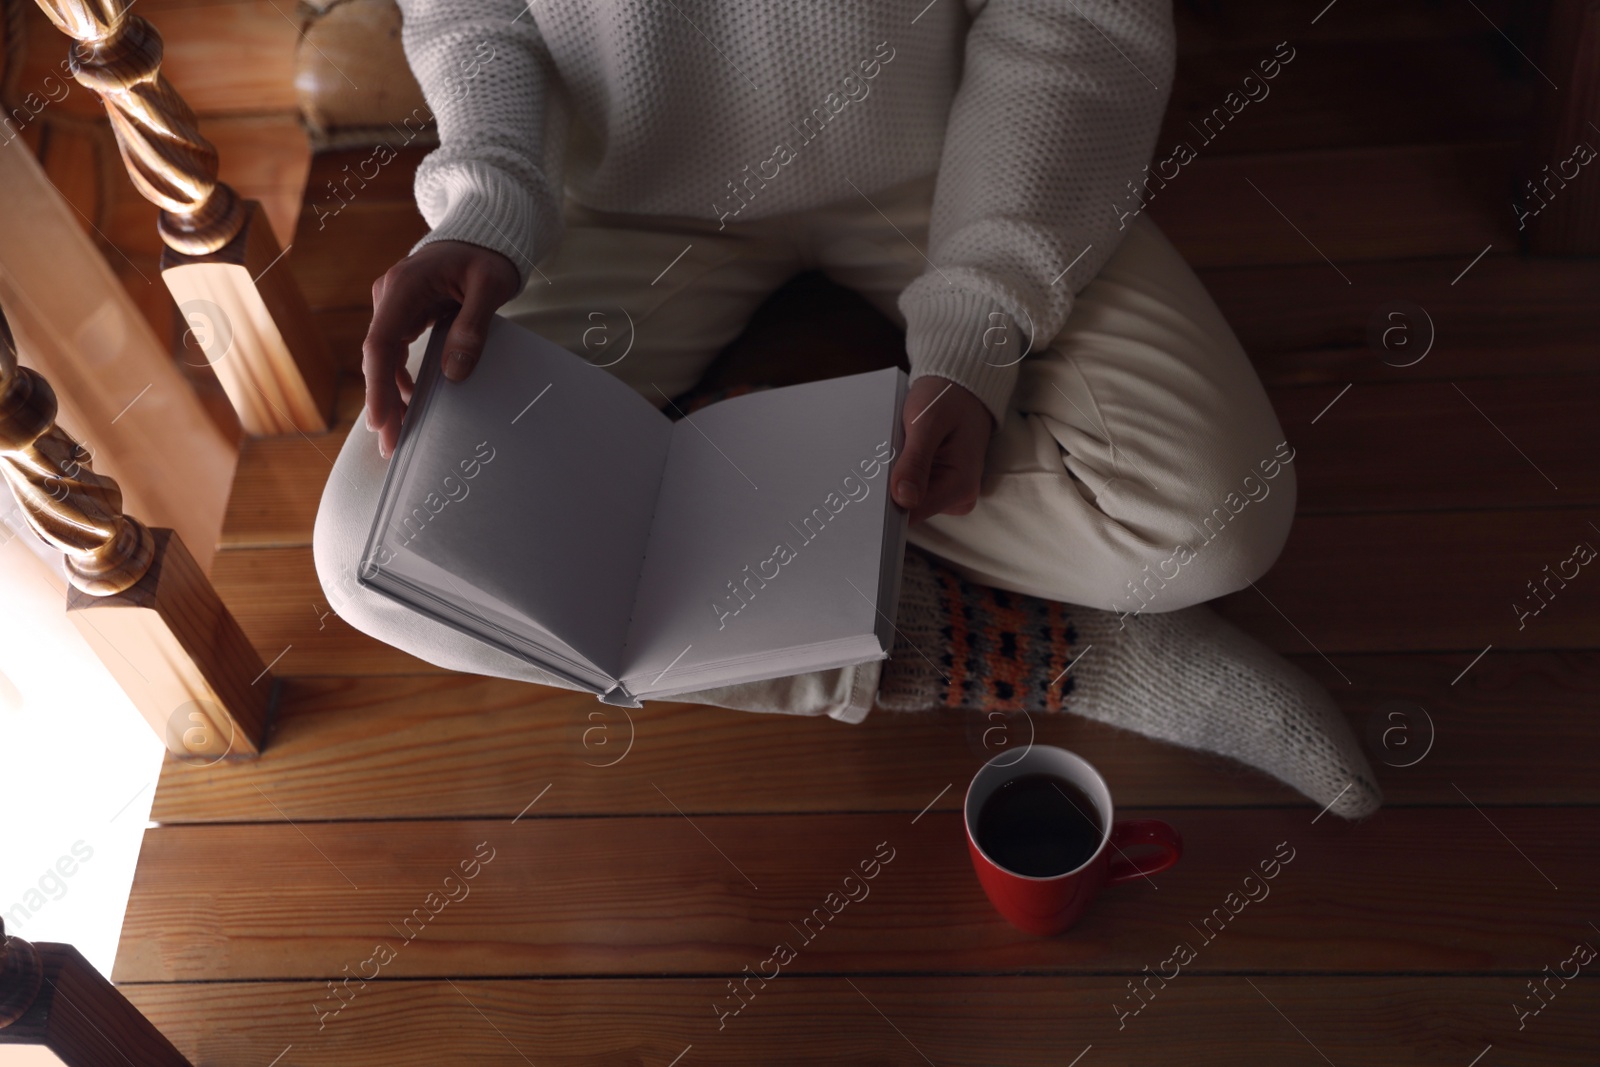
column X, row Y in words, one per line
column 1046, row 906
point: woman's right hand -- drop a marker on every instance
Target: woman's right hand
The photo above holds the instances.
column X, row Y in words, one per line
column 412, row 295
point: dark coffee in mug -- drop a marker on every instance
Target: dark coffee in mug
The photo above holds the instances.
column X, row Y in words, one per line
column 1039, row 825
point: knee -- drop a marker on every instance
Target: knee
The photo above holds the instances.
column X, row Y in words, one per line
column 344, row 520
column 1217, row 539
column 1265, row 513
column 332, row 558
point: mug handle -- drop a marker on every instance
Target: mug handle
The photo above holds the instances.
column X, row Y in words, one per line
column 1142, row 832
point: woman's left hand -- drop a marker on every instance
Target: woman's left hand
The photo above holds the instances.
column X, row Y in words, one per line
column 940, row 469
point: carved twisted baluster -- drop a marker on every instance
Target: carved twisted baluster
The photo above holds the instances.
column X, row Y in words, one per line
column 65, row 503
column 119, row 57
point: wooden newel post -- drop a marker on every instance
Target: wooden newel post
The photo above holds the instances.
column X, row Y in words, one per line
column 220, row 253
column 50, row 996
column 137, row 596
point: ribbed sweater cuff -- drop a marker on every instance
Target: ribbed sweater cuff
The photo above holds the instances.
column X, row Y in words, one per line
column 486, row 207
column 945, row 337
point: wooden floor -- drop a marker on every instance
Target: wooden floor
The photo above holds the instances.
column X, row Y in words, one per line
column 314, row 905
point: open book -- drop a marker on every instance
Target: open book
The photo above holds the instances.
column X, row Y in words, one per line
column 547, row 508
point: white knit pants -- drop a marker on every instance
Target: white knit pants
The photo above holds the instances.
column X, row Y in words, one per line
column 1140, row 468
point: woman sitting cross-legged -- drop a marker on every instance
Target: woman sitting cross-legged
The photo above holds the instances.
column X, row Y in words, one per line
column 1089, row 454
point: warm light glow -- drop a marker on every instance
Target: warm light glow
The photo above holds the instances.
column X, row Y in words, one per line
column 28, row 1056
column 80, row 763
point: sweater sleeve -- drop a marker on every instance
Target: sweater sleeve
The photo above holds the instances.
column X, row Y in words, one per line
column 496, row 178
column 1058, row 111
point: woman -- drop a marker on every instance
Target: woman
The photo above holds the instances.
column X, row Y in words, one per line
column 1082, row 427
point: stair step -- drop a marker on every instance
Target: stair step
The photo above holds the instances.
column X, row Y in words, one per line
column 1340, row 208
column 1502, row 316
column 1342, row 93
column 1210, row 25
column 1436, row 581
column 1385, row 445
column 1411, row 891
column 1298, row 330
column 462, row 746
column 801, row 1021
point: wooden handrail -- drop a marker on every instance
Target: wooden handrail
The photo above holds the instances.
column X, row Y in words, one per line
column 138, row 596
column 274, row 365
column 50, row 996
column 118, row 385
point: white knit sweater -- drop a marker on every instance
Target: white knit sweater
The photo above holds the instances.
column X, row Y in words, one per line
column 1037, row 115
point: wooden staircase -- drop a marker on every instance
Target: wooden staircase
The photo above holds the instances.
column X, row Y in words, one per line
column 313, row 906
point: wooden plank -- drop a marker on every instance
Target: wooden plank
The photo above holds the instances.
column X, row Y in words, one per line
column 463, row 746
column 1341, row 94
column 223, row 58
column 1390, row 446
column 358, row 219
column 141, row 280
column 116, row 383
column 1413, row 890
column 1346, row 206
column 1300, row 330
column 1445, row 580
column 1437, row 581
column 278, row 486
column 1558, row 195
column 230, row 58
column 275, row 595
column 72, row 158
column 339, row 175
column 337, row 266
column 987, row 1020
column 1416, row 446
column 278, row 483
column 264, row 158
column 81, row 162
column 345, row 329
column 1223, row 24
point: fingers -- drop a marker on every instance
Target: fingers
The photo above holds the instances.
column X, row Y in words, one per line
column 952, row 484
column 940, row 469
column 939, row 472
column 377, row 356
column 464, row 344
column 914, row 467
column 951, row 491
column 489, row 279
column 414, row 293
column 404, row 302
